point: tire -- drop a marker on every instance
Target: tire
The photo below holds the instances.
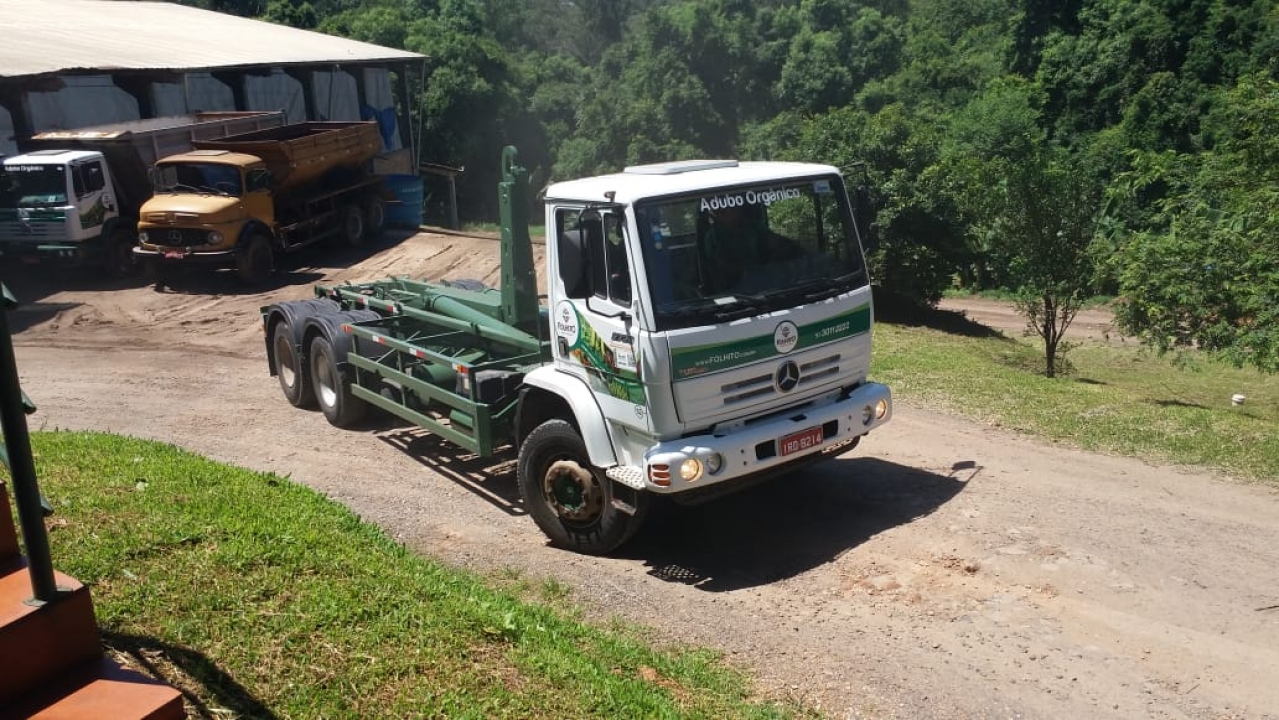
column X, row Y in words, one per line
column 291, row 368
column 117, row 254
column 571, row 501
column 374, row 217
column 332, row 392
column 255, row 259
column 352, row 225
column 157, row 274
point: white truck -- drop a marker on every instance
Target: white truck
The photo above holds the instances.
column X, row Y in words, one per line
column 708, row 323
column 73, row 196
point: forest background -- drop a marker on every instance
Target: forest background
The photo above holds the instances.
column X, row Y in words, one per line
column 1057, row 149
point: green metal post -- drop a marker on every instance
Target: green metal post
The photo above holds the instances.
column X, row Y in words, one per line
column 22, row 468
column 519, row 277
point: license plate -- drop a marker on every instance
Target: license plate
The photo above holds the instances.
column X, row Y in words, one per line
column 174, row 254
column 800, row 441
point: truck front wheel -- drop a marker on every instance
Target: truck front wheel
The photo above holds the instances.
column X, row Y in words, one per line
column 573, row 503
column 117, row 254
column 340, row 406
column 254, row 259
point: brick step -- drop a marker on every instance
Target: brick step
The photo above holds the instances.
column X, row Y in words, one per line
column 41, row 643
column 100, row 689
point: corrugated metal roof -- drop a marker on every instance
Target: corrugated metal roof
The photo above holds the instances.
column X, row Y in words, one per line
column 49, row 36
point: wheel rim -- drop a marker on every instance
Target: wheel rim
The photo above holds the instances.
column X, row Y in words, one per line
column 284, row 361
column 324, row 380
column 377, row 215
column 573, row 492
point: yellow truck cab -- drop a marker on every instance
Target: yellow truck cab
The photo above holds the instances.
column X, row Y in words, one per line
column 241, row 200
column 201, row 205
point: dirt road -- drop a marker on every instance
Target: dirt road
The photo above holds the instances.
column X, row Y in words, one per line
column 942, row 569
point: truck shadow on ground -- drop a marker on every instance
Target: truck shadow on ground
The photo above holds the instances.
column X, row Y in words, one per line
column 206, row 688
column 790, row 524
column 491, row 478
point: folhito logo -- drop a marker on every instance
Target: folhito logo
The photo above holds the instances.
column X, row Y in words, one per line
column 785, row 337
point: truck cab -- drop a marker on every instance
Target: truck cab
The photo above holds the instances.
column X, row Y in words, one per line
column 714, row 315
column 54, row 205
column 204, row 204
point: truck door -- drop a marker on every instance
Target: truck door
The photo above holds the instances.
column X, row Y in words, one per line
column 593, row 318
column 94, row 202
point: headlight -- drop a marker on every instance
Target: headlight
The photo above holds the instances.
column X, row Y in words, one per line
column 714, row 463
column 881, row 409
column 215, row 237
column 142, row 236
column 690, row 469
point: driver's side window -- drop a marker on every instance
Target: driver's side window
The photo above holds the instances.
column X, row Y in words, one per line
column 604, row 239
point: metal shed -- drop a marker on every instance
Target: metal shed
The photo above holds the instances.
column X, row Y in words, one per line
column 74, row 63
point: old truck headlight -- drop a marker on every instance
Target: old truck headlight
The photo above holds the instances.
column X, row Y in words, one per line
column 690, row 469
column 215, row 237
column 143, row 237
column 714, row 462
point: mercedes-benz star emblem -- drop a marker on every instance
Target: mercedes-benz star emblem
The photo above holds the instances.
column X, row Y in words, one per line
column 787, row 376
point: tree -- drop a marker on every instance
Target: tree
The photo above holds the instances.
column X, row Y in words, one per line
column 1038, row 226
column 1048, row 218
column 1207, row 275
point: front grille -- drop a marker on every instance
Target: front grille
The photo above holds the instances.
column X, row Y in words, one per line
column 176, row 237
column 34, row 229
column 764, row 385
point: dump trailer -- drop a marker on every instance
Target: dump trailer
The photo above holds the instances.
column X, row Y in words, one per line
column 73, row 196
column 240, row 200
column 708, row 325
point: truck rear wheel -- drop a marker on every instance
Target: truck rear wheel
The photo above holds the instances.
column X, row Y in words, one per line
column 254, row 259
column 352, row 225
column 294, row 376
column 374, row 217
column 332, row 391
column 572, row 502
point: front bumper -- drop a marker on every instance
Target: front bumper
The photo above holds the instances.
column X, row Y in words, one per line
column 53, row 253
column 185, row 255
column 759, row 447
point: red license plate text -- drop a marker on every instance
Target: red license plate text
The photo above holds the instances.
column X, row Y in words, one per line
column 800, row 441
column 174, row 254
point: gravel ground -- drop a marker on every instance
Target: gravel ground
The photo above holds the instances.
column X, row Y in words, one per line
column 942, row 569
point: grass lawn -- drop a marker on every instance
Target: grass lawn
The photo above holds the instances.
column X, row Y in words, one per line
column 261, row 598
column 1119, row 398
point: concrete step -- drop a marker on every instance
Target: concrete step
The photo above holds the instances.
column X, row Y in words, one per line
column 41, row 643
column 100, row 689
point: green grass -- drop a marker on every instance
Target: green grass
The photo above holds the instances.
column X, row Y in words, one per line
column 261, row 597
column 536, row 231
column 1118, row 399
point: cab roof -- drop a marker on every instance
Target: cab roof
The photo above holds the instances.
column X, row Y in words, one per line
column 50, row 157
column 641, row 182
column 218, row 157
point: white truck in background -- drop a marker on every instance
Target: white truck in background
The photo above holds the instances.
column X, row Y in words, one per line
column 72, row 196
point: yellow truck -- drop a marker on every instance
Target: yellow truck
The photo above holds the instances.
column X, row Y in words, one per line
column 242, row 200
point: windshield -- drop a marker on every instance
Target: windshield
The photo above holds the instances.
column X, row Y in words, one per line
column 33, row 186
column 198, row 178
column 748, row 250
